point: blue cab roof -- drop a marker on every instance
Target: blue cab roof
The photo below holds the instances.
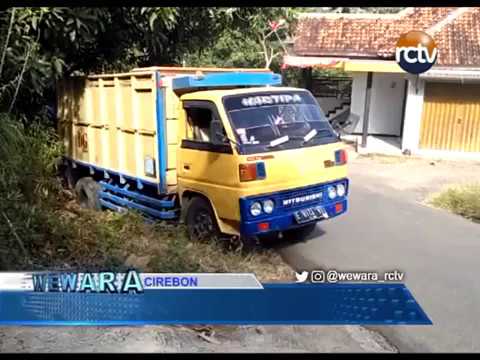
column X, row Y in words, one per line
column 226, row 80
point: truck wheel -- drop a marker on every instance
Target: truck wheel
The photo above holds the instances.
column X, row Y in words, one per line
column 87, row 190
column 249, row 243
column 269, row 240
column 70, row 175
column 201, row 222
column 300, row 233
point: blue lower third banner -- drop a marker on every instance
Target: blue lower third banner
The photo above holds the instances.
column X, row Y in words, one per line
column 329, row 304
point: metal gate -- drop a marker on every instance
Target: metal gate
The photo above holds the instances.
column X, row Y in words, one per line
column 451, row 117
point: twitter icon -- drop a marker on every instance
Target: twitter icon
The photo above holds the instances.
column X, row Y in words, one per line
column 301, row 277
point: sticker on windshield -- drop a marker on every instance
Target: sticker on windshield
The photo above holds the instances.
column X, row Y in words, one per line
column 271, row 99
column 242, row 133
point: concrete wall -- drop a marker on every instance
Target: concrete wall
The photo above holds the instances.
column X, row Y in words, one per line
column 386, row 102
column 413, row 114
column 386, row 107
column 357, row 106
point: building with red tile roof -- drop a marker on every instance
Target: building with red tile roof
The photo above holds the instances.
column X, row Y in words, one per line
column 437, row 112
column 455, row 30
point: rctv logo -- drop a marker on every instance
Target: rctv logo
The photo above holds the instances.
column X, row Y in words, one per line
column 416, row 52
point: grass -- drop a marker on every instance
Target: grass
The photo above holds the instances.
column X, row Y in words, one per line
column 461, row 200
column 42, row 226
column 106, row 240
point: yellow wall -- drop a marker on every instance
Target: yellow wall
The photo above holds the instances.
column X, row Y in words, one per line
column 116, row 116
column 358, row 65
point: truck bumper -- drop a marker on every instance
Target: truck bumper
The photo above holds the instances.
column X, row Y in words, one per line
column 284, row 218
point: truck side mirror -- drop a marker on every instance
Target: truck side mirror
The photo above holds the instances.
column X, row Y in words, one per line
column 216, row 132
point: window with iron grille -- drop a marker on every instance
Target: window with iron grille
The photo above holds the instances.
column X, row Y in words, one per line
column 337, row 87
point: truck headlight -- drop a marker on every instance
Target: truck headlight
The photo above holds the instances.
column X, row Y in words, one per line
column 332, row 192
column 256, row 208
column 268, row 206
column 340, row 189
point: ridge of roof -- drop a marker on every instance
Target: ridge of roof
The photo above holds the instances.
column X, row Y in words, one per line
column 448, row 20
column 366, row 16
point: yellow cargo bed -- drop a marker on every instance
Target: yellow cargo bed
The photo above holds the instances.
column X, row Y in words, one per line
column 125, row 123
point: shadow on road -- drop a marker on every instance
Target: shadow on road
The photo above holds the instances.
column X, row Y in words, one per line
column 277, row 243
column 294, row 260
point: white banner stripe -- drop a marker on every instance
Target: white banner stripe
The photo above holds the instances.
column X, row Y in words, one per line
column 23, row 281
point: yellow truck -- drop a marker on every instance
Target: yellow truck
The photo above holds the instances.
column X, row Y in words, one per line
column 227, row 151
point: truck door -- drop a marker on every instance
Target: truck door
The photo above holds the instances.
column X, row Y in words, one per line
column 203, row 167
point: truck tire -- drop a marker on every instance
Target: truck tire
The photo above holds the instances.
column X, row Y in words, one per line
column 269, row 240
column 200, row 220
column 300, row 233
column 249, row 243
column 87, row 190
column 71, row 176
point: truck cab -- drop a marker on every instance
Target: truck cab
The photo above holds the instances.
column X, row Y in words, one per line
column 257, row 160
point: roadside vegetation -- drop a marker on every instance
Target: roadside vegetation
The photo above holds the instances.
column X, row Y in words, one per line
column 43, row 227
column 461, row 200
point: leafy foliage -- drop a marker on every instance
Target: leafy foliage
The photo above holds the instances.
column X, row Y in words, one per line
column 247, row 40
column 40, row 45
column 43, row 44
column 26, row 187
column 242, row 43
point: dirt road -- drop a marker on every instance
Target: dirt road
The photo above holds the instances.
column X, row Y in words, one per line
column 171, row 339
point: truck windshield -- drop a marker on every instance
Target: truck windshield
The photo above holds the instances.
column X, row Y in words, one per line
column 285, row 120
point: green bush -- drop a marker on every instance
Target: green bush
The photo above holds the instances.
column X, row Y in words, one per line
column 26, row 186
column 461, row 200
column 43, row 227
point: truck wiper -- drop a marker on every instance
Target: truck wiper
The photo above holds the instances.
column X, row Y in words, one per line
column 312, row 134
column 278, row 141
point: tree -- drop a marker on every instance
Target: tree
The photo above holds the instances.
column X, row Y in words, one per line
column 40, row 45
column 251, row 37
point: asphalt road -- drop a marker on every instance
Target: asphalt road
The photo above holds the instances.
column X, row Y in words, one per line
column 386, row 229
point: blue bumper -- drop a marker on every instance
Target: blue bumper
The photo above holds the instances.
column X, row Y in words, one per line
column 282, row 218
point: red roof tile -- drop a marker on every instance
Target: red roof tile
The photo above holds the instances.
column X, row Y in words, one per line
column 457, row 36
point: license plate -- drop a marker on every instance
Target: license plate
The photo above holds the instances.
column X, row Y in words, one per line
column 309, row 214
